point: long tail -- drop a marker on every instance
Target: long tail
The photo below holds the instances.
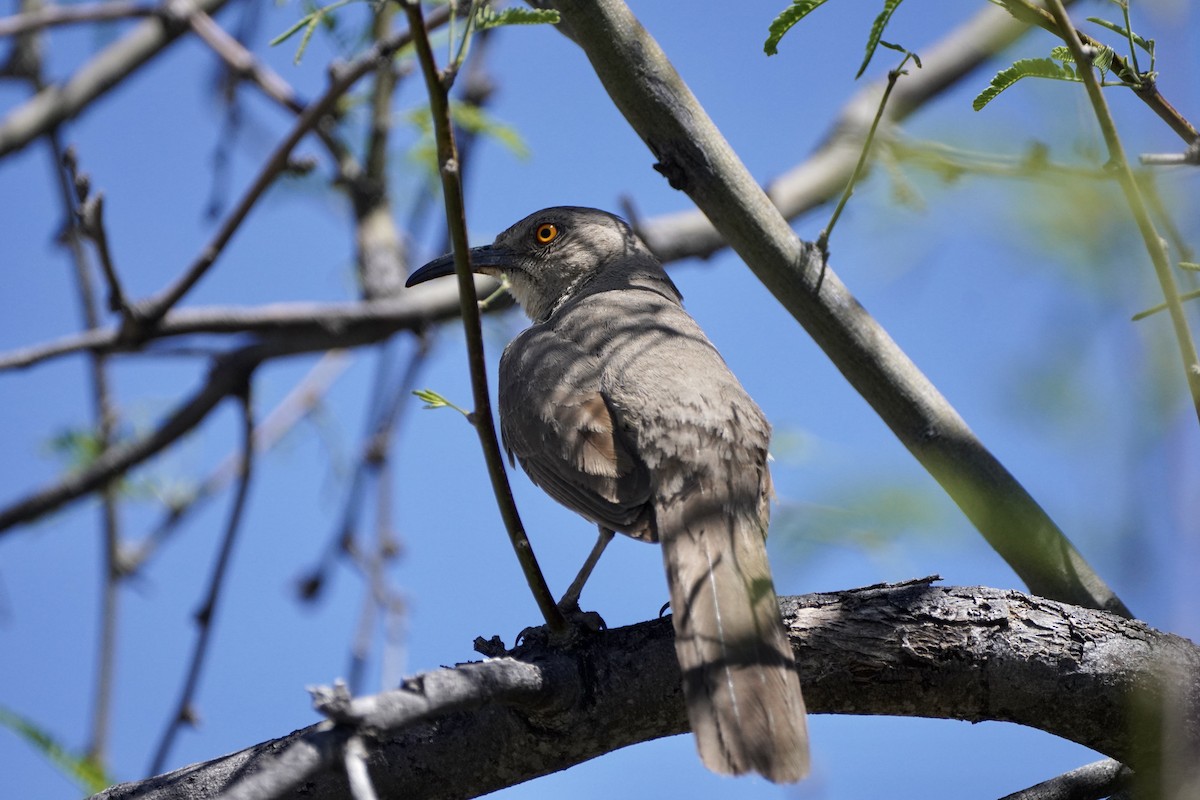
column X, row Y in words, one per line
column 739, row 677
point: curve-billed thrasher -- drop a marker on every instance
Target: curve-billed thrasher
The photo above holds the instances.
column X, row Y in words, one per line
column 618, row 406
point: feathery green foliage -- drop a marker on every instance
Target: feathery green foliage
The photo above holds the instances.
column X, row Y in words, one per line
column 486, row 17
column 881, row 21
column 432, row 399
column 798, row 10
column 1024, row 68
column 1145, row 44
column 322, row 15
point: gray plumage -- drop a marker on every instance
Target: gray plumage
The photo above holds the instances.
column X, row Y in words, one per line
column 618, row 406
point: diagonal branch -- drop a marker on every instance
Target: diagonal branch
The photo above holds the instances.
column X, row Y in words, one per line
column 694, row 157
column 184, row 712
column 227, row 377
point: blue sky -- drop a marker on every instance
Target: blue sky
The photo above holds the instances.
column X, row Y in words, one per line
column 1014, row 300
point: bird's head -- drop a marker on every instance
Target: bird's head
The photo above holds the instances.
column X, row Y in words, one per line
column 551, row 255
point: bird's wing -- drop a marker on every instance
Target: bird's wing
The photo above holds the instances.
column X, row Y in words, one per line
column 557, row 422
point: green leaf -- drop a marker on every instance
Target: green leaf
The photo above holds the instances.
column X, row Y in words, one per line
column 1147, row 45
column 474, row 119
column 877, row 27
column 432, row 399
column 1101, row 59
column 486, row 18
column 798, row 10
column 309, row 22
column 470, row 118
column 87, row 773
column 1024, row 68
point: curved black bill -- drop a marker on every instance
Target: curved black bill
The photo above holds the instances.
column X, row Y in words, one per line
column 488, row 259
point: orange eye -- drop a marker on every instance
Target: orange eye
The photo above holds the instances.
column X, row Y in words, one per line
column 546, row 233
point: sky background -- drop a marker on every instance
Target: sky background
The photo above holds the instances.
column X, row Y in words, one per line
column 1015, row 299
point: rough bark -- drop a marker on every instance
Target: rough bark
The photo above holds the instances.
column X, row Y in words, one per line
column 967, row 653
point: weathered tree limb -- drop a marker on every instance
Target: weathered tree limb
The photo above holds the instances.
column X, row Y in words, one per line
column 967, row 653
column 1094, row 781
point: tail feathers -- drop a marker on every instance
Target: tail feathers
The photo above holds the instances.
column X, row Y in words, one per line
column 739, row 678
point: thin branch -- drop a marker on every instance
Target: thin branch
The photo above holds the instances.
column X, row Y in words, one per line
column 892, row 76
column 291, row 410
column 966, row 653
column 91, row 214
column 481, row 417
column 55, row 104
column 696, row 158
column 381, row 256
column 150, row 311
column 355, row 763
column 54, row 15
column 324, row 326
column 373, row 466
column 227, row 377
column 184, row 710
column 244, row 63
column 1154, row 243
column 81, row 223
column 1143, row 86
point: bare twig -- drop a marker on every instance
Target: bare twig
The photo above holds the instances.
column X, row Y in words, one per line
column 448, row 168
column 892, row 76
column 355, row 763
column 381, row 256
column 373, row 466
column 184, row 712
column 53, row 15
column 76, row 198
column 149, row 312
column 324, row 326
column 91, row 214
column 227, row 377
column 244, row 63
column 294, row 407
column 55, row 104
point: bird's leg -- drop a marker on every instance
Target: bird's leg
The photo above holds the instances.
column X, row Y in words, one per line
column 570, row 600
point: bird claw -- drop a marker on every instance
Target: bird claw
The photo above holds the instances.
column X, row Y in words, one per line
column 579, row 624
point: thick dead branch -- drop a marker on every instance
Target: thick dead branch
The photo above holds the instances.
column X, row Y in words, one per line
column 967, row 653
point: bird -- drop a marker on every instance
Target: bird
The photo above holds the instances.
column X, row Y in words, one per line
column 618, row 406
